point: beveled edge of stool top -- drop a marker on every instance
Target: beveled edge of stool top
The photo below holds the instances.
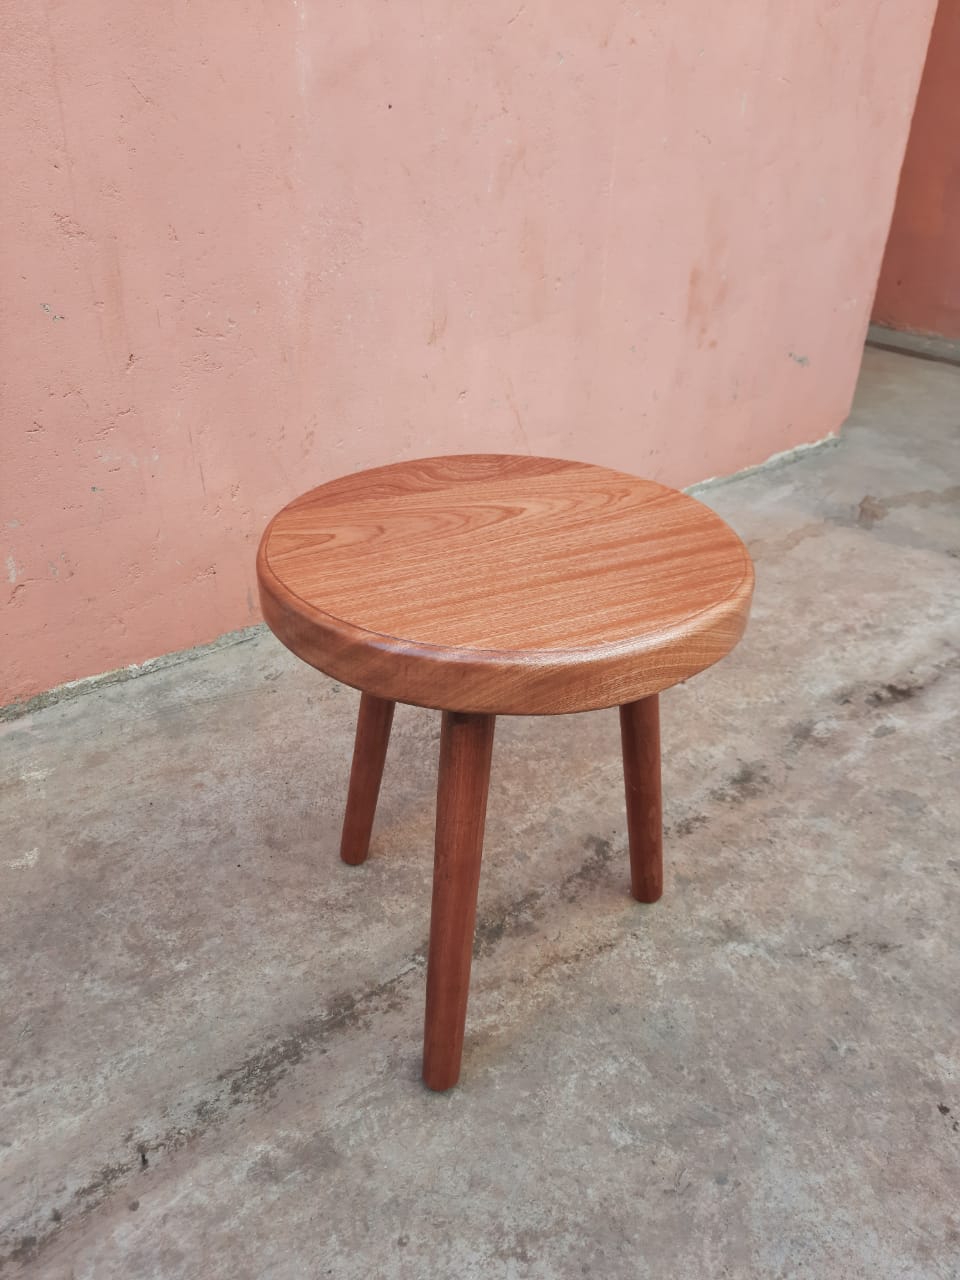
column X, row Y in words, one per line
column 503, row 584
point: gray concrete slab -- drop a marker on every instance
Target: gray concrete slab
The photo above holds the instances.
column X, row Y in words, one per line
column 925, row 345
column 211, row 1027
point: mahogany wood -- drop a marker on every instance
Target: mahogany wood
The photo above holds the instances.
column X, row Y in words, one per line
column 501, row 584
column 640, row 736
column 369, row 752
column 466, row 744
column 493, row 584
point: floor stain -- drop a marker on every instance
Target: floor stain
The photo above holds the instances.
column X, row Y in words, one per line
column 872, row 510
column 749, row 781
column 901, row 688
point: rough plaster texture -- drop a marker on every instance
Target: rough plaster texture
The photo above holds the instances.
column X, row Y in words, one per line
column 212, row 1032
column 248, row 247
column 919, row 287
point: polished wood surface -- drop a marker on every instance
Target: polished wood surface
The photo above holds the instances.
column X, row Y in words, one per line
column 466, row 744
column 640, row 736
column 366, row 772
column 501, row 584
column 490, row 584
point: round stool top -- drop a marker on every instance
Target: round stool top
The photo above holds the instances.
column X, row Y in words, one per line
column 494, row 583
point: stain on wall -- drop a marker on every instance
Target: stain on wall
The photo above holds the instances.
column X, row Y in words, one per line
column 919, row 288
column 250, row 247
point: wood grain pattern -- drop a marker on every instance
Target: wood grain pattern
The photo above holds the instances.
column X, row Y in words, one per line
column 366, row 773
column 501, row 584
column 466, row 744
column 640, row 736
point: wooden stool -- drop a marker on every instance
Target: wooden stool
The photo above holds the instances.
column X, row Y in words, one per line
column 485, row 585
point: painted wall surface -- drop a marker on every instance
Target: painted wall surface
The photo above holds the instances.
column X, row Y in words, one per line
column 919, row 285
column 249, row 246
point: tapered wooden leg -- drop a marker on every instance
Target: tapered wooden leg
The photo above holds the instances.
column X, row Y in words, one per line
column 640, row 735
column 369, row 753
column 466, row 745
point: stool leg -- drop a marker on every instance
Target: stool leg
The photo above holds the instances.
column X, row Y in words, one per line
column 369, row 753
column 640, row 735
column 466, row 745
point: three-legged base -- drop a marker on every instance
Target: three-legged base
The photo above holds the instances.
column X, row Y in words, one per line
column 466, row 746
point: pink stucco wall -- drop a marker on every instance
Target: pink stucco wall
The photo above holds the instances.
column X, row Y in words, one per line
column 919, row 287
column 252, row 245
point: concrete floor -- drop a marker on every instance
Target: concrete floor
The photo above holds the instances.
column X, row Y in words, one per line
column 211, row 1036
